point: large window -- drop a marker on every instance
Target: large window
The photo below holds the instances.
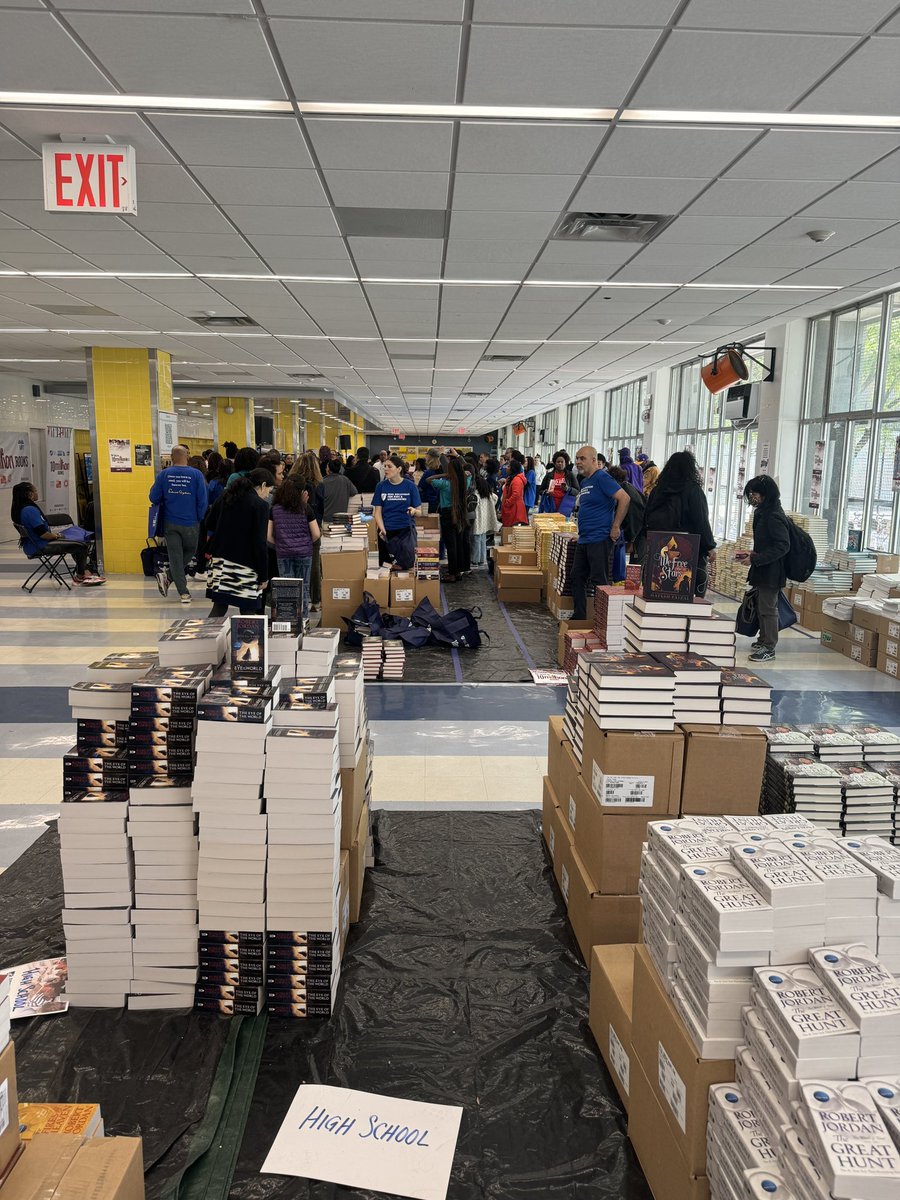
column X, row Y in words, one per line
column 622, row 424
column 851, row 420
column 548, row 434
column 725, row 455
column 577, row 423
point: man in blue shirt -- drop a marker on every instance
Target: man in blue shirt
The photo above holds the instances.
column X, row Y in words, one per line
column 181, row 490
column 602, row 504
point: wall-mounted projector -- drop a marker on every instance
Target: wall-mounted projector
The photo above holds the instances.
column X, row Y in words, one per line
column 742, row 404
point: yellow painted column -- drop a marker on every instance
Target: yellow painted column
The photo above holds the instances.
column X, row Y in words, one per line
column 123, row 405
column 232, row 426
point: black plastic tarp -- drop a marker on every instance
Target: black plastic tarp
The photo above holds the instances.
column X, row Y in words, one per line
column 150, row 1072
column 461, row 985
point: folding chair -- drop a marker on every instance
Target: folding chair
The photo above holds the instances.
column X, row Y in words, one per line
column 52, row 563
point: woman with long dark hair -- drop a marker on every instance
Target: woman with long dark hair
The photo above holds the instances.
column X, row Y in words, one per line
column 451, row 488
column 512, row 506
column 485, row 520
column 245, row 461
column 38, row 536
column 307, row 474
column 530, row 496
column 239, row 563
column 293, row 530
column 678, row 503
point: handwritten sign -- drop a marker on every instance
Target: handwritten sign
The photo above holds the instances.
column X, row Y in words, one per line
column 362, row 1140
column 549, row 677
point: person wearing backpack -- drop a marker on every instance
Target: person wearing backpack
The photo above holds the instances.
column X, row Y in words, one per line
column 768, row 560
column 678, row 503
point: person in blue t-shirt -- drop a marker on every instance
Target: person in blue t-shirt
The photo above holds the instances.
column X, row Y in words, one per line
column 393, row 507
column 602, row 504
column 182, row 492
column 38, row 536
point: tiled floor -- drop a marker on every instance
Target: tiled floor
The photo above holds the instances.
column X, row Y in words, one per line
column 437, row 745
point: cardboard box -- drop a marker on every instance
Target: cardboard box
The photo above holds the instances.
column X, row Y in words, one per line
column 506, row 535
column 555, row 739
column 548, row 804
column 796, row 597
column 565, row 783
column 835, row 641
column 558, row 839
column 860, row 654
column 834, row 625
column 561, row 607
column 428, row 521
column 865, row 636
column 507, row 557
column 863, row 618
column 378, row 589
column 402, row 610
column 564, row 627
column 888, row 666
column 678, row 1078
column 609, row 844
column 358, row 864
column 609, row 1018
column 344, row 564
column 649, row 763
column 812, row 603
column 9, row 1108
column 518, row 577
column 105, row 1169
column 429, row 589
column 353, row 795
column 402, row 589
column 41, row 1166
column 723, row 769
column 596, row 919
column 889, row 636
column 888, row 564
column 343, row 591
column 656, row 1146
column 510, row 595
column 344, row 900
column 810, row 620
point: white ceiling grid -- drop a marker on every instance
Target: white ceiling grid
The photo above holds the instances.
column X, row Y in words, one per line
column 231, row 197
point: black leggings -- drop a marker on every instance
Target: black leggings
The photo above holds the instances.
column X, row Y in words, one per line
column 78, row 550
column 219, row 610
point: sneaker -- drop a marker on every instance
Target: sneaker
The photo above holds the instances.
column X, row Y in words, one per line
column 762, row 655
column 755, row 645
column 163, row 581
column 185, row 597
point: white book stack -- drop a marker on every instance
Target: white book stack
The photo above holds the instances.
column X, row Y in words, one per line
column 162, row 831
column 318, row 652
column 394, row 659
column 867, row 990
column 886, row 1094
column 868, row 797
column 851, row 890
column 653, row 626
column 630, row 692
column 858, row 562
column 697, row 682
column 879, row 587
column 283, row 649
column 227, row 796
column 97, row 869
column 350, row 694
column 735, row 1141
column 95, row 701
column 788, row 739
column 794, row 891
column 746, row 698
column 303, row 919
column 5, row 1017
column 806, row 786
column 195, row 641
column 834, row 745
column 712, row 637
column 573, row 716
column 848, row 1141
column 816, row 527
column 610, row 606
column 878, row 745
column 372, row 657
column 879, row 856
column 123, row 668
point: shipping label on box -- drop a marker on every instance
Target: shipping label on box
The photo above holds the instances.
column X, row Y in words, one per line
column 340, row 593
column 4, row 1107
column 891, row 649
column 573, row 810
column 551, row 841
column 621, row 1063
column 622, row 791
column 564, row 883
column 404, row 595
column 672, row 1087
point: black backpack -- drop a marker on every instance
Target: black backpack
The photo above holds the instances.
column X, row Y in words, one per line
column 800, row 561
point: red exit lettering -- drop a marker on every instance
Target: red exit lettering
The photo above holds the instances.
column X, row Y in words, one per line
column 98, row 175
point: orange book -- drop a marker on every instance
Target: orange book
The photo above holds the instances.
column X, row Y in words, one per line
column 84, row 1120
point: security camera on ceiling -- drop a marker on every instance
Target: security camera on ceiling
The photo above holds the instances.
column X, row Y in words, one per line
column 820, row 235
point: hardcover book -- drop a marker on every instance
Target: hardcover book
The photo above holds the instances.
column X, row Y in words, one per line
column 249, row 650
column 671, row 566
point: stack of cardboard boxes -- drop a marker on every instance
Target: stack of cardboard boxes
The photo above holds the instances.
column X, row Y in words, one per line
column 517, row 576
column 399, row 592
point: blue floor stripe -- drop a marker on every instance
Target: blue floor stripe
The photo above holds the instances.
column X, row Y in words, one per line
column 454, row 653
column 528, row 659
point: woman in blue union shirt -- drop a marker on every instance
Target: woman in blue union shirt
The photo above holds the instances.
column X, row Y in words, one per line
column 393, row 508
column 38, row 536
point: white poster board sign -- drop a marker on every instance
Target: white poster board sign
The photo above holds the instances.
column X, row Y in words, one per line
column 168, row 433
column 362, row 1140
column 15, row 459
column 59, row 469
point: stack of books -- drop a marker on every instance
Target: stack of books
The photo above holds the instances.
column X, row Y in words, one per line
column 194, row 641
column 832, row 744
column 858, row 562
column 350, row 695
column 562, row 557
column 816, row 527
column 868, row 801
column 318, row 652
column 372, row 655
column 573, row 716
column 832, row 1117
column 124, row 667
column 788, row 739
column 337, row 540
column 98, row 881
column 94, row 701
column 162, row 830
column 163, row 719
column 879, row 587
column 610, row 606
column 394, row 659
column 227, row 796
column 631, row 691
column 287, row 604
column 802, row 784
column 522, row 537
column 828, row 581
column 713, row 637
column 851, row 889
column 653, row 626
column 736, row 1141
column 303, row 805
column 794, row 890
column 697, row 682
column 580, row 641
column 428, row 560
column 878, row 744
column 283, row 649
column 746, row 699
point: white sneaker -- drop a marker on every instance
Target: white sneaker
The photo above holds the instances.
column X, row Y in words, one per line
column 163, row 581
column 186, row 598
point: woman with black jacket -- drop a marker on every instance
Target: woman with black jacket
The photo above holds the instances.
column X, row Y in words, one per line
column 239, row 562
column 678, row 503
column 771, row 543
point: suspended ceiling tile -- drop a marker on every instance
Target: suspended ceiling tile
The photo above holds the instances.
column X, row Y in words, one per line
column 513, row 193
column 220, row 141
column 753, row 198
column 576, row 12
column 697, row 70
column 887, row 171
column 173, row 55
column 624, row 194
column 343, row 143
column 31, row 213
column 388, row 189
column 169, row 185
column 866, row 83
column 535, row 149
column 859, row 200
column 809, row 154
column 670, row 151
column 369, row 61
column 283, row 219
column 797, row 17
column 481, row 270
column 158, row 217
column 280, row 186
column 34, row 46
column 513, row 65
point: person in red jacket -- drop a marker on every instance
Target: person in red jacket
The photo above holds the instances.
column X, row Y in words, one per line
column 512, row 507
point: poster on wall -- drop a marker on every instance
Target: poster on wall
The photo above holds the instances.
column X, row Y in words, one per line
column 815, row 482
column 15, row 459
column 741, row 471
column 896, row 482
column 120, row 456
column 168, row 433
column 143, row 455
column 711, row 479
column 59, row 468
column 764, row 459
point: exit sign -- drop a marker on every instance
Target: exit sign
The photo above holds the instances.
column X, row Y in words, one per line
column 89, row 179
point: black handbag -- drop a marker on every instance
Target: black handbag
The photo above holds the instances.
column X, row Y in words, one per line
column 153, row 557
column 746, row 620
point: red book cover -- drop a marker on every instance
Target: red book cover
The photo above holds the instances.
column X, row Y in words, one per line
column 671, row 573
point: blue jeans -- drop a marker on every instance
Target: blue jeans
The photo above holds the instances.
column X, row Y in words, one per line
column 298, row 568
column 479, row 548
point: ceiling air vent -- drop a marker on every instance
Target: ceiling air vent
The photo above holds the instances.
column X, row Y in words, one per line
column 610, row 227
column 476, row 395
column 504, row 358
column 225, row 322
column 305, row 375
column 232, row 374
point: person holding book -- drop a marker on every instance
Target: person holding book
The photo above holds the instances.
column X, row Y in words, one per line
column 293, row 529
column 393, row 510
column 602, row 505
column 771, row 543
column 239, row 563
column 560, row 480
column 678, row 503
